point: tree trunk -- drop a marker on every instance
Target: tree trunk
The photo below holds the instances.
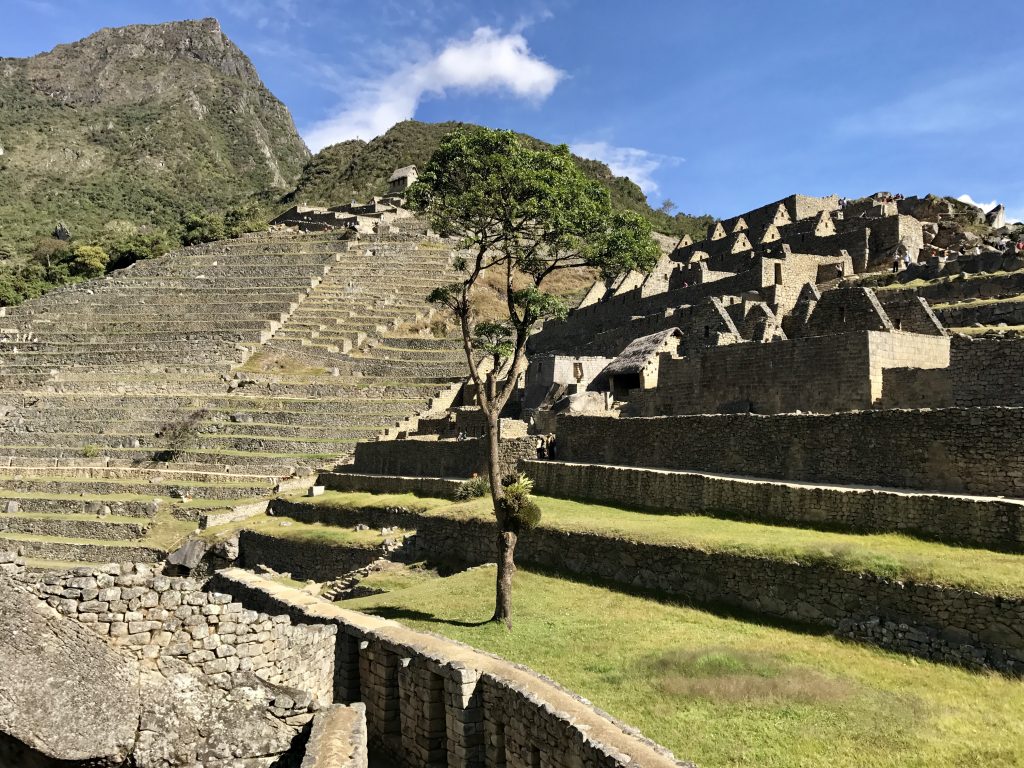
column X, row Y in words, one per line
column 506, row 570
column 506, row 539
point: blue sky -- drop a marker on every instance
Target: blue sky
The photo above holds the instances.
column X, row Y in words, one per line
column 721, row 106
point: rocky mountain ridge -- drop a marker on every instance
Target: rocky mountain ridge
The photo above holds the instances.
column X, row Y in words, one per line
column 139, row 123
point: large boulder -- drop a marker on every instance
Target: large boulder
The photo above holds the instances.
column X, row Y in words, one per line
column 64, row 693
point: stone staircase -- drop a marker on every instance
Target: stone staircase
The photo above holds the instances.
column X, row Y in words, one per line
column 207, row 379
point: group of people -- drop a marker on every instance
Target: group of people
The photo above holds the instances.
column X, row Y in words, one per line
column 901, row 258
column 547, row 447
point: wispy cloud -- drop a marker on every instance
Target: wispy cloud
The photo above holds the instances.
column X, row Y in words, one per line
column 986, row 207
column 961, row 104
column 487, row 61
column 638, row 164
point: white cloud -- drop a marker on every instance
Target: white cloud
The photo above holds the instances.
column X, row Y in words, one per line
column 986, row 207
column 638, row 164
column 487, row 61
column 972, row 103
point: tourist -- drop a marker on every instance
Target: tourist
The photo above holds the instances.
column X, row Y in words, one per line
column 552, row 447
column 896, row 262
column 906, row 259
column 542, row 449
column 462, row 435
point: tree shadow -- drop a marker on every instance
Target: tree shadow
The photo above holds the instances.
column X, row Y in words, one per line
column 391, row 612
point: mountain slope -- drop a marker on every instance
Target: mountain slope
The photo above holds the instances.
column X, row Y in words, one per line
column 357, row 169
column 140, row 123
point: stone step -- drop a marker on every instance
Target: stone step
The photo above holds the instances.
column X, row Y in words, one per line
column 65, row 526
column 53, row 548
column 93, row 505
column 46, row 484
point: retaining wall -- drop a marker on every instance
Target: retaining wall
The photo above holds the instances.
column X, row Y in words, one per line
column 940, row 623
column 151, row 616
column 960, row 450
column 303, row 558
column 961, row 520
column 437, row 458
column 437, row 487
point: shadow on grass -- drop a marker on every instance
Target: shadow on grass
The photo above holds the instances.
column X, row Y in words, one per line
column 391, row 612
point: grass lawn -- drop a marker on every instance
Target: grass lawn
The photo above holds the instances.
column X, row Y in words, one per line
column 725, row 692
column 892, row 555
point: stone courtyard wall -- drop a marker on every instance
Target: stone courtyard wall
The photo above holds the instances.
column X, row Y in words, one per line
column 941, row 623
column 959, row 450
column 152, row 616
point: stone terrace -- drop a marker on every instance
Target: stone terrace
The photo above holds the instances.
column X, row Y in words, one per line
column 213, row 374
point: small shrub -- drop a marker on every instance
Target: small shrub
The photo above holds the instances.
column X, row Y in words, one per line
column 520, row 511
column 474, row 488
column 91, row 451
column 179, row 436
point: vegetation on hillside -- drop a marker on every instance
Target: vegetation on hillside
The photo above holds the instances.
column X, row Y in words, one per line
column 102, row 139
column 359, row 169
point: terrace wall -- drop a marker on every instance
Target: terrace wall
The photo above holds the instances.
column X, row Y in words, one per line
column 960, row 450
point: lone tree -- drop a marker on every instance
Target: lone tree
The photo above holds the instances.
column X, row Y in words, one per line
column 522, row 214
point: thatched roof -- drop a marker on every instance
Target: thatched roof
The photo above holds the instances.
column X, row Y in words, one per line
column 401, row 173
column 639, row 352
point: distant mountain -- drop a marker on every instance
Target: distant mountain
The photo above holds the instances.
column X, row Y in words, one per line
column 137, row 123
column 358, row 169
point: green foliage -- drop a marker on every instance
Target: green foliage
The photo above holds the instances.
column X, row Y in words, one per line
column 127, row 248
column 495, row 338
column 519, row 511
column 7, row 251
column 88, row 260
column 244, row 218
column 358, row 169
column 91, row 450
column 474, row 488
column 202, row 228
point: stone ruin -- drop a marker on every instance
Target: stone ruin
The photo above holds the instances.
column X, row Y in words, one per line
column 779, row 370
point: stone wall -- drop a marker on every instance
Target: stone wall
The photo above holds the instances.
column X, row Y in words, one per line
column 153, row 616
column 973, row 450
column 437, row 487
column 987, row 371
column 819, row 374
column 434, row 702
column 303, row 558
column 946, row 624
column 960, row 520
column 437, row 458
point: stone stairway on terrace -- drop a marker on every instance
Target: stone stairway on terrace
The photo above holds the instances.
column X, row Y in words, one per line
column 205, row 380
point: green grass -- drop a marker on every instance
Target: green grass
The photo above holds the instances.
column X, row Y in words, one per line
column 397, row 577
column 724, row 692
column 891, row 555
